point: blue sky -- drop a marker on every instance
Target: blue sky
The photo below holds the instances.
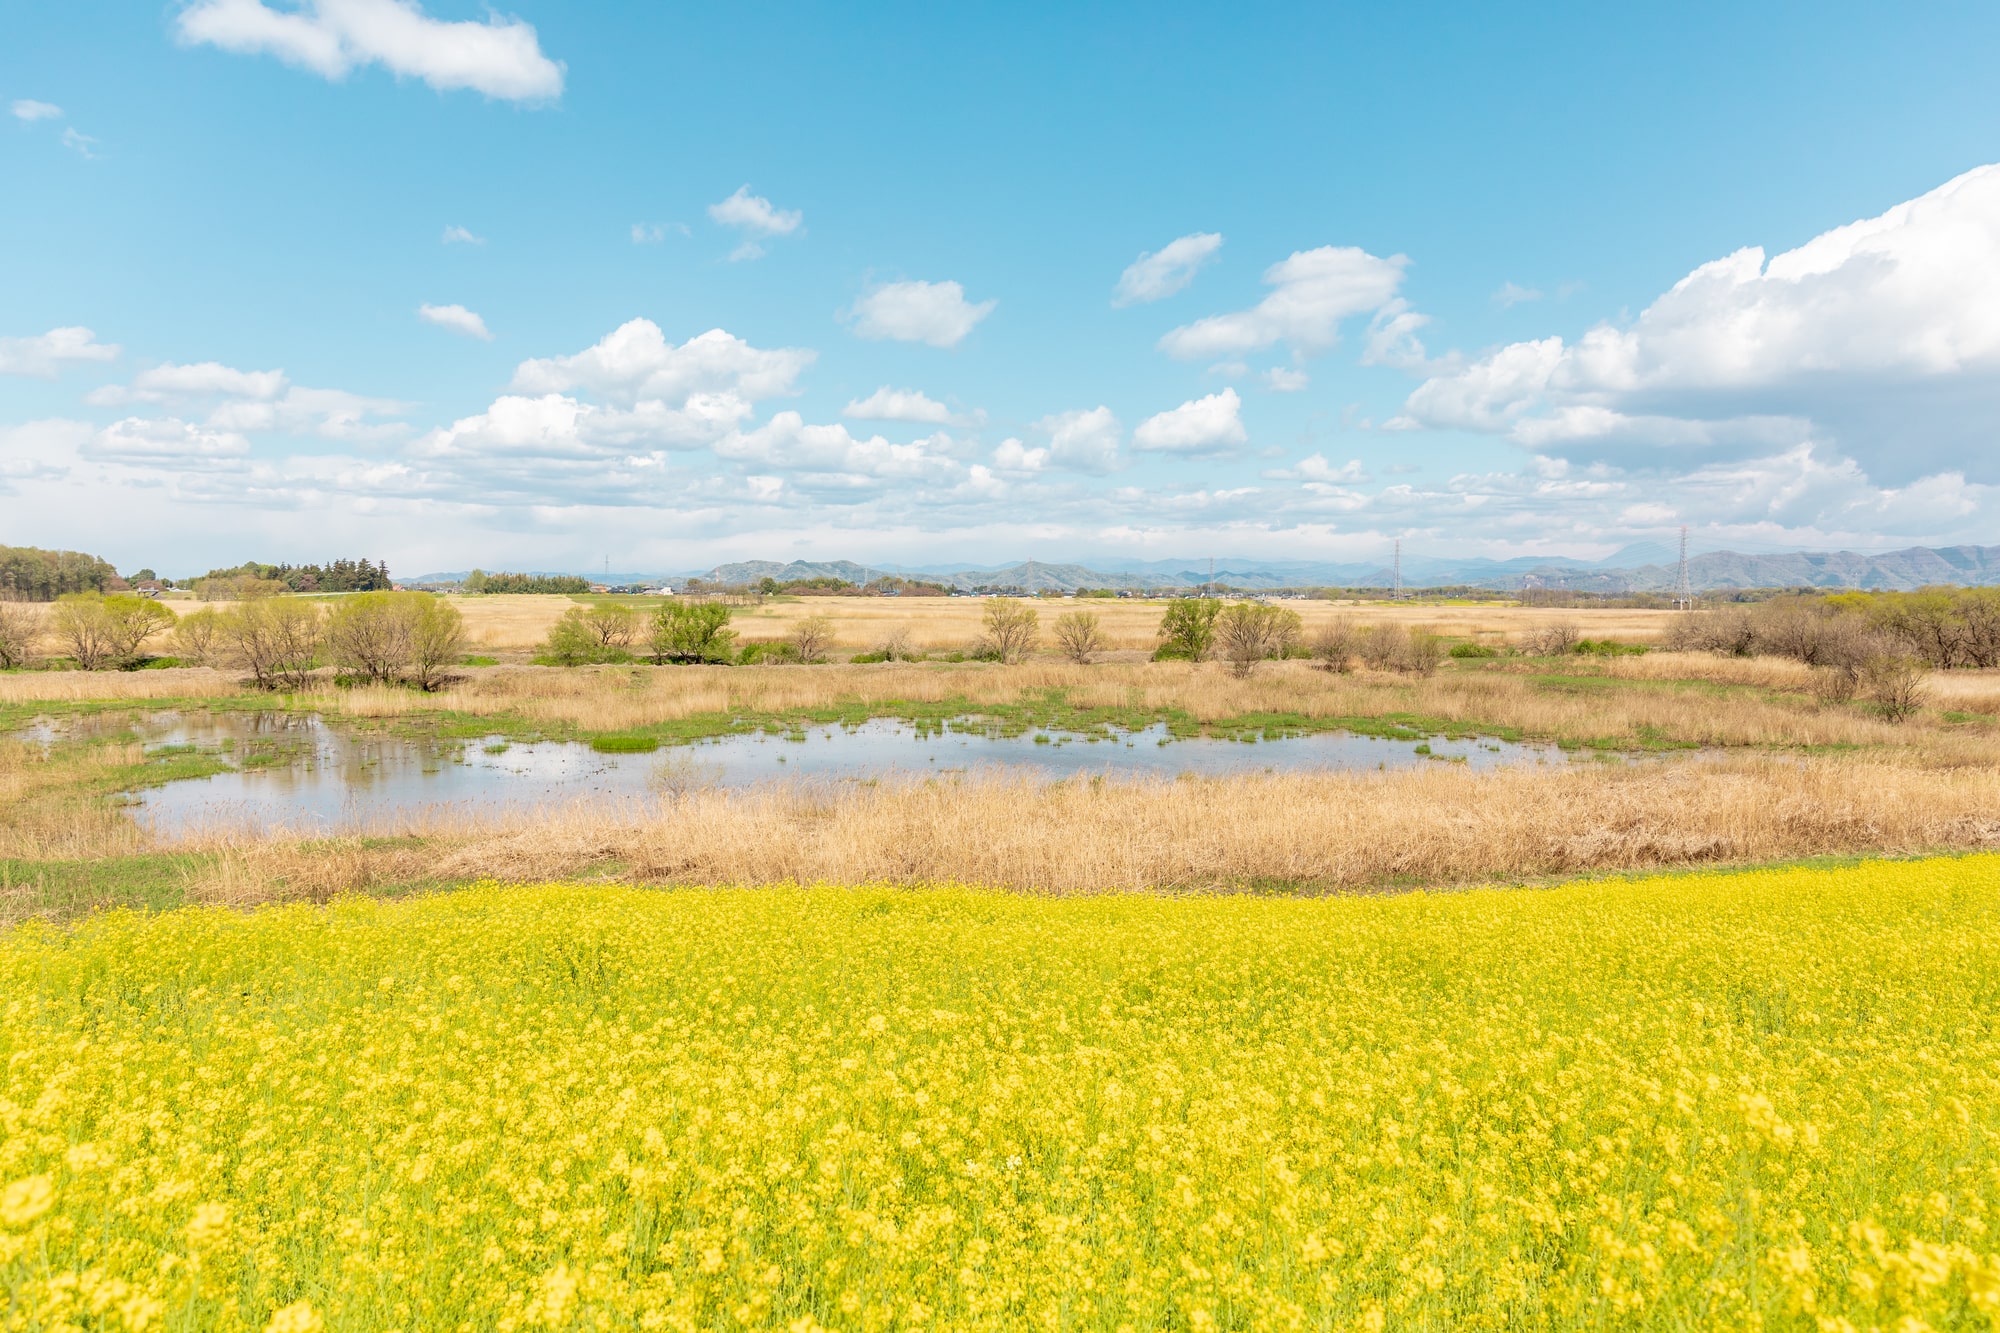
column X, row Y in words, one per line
column 371, row 271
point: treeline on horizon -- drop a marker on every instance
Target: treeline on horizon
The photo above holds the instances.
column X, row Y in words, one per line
column 31, row 574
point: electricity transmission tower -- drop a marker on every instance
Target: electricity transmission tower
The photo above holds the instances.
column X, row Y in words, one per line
column 1397, row 596
column 1683, row 590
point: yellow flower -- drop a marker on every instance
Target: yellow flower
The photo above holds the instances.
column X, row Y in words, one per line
column 25, row 1200
column 298, row 1317
column 209, row 1226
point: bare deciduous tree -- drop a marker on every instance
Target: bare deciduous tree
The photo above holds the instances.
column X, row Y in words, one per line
column 195, row 636
column 1248, row 634
column 20, row 626
column 1078, row 635
column 1012, row 628
column 276, row 639
column 812, row 638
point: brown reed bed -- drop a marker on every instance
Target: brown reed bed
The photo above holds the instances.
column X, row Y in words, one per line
column 1303, row 832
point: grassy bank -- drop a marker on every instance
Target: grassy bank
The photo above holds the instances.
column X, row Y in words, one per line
column 1711, row 1101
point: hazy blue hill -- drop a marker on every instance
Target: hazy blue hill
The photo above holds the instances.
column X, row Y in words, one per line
column 1642, row 567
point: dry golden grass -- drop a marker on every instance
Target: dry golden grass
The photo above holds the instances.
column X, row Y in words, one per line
column 101, row 686
column 45, row 809
column 1702, row 709
column 1326, row 832
column 937, row 624
column 517, row 623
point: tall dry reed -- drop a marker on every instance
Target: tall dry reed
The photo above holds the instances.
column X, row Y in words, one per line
column 1324, row 832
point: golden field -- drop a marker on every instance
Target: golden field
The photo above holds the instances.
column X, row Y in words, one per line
column 513, row 625
column 516, row 623
column 1723, row 1101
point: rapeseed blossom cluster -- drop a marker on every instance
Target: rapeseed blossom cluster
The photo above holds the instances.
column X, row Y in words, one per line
column 1718, row 1101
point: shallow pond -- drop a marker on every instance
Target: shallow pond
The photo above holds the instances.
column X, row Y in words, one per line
column 294, row 770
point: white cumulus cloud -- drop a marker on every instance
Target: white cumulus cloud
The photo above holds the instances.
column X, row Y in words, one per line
column 1163, row 272
column 1204, row 425
column 165, row 440
column 753, row 213
column 559, row 426
column 1312, row 292
column 455, row 318
column 45, row 354
column 501, row 57
column 635, row 361
column 27, row 108
column 1883, row 334
column 887, row 404
column 1314, row 469
column 788, row 443
column 1084, row 440
column 255, row 400
column 927, row 312
column 456, row 235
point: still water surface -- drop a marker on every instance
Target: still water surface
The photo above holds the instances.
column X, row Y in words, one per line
column 296, row 771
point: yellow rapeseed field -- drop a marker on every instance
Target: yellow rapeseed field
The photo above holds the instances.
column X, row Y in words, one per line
column 1720, row 1101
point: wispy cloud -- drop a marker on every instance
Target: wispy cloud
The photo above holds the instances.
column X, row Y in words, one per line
column 920, row 312
column 1312, row 292
column 457, row 235
column 45, row 354
column 1161, row 273
column 501, row 57
column 27, row 108
column 455, row 318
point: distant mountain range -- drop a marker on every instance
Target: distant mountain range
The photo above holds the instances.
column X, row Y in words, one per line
column 1645, row 567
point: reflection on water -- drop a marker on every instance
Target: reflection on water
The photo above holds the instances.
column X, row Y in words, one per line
column 294, row 770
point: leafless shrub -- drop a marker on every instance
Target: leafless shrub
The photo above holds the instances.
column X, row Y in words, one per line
column 1422, row 651
column 1896, row 684
column 1728, row 630
column 276, row 639
column 1333, row 645
column 1078, row 635
column 1249, row 633
column 1558, row 638
column 1381, row 645
column 19, row 625
column 898, row 647
column 812, row 637
column 1835, row 684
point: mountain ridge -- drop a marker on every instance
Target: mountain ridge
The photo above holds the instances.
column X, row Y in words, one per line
column 1711, row 571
